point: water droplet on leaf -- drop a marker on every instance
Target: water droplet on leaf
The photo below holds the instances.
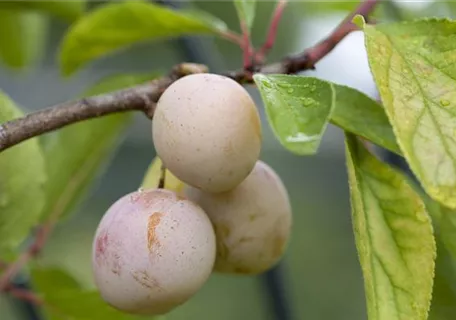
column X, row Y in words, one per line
column 307, row 101
column 290, row 90
column 266, row 84
column 284, row 85
column 444, row 103
column 302, row 137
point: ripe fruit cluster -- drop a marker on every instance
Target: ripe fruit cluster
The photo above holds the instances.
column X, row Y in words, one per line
column 156, row 247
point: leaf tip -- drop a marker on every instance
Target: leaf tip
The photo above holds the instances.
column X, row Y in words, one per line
column 258, row 76
column 359, row 21
column 66, row 68
column 66, row 72
column 259, row 79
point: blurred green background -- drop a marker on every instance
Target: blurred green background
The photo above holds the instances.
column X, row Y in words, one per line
column 322, row 272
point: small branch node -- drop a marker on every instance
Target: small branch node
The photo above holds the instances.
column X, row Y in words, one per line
column 186, row 68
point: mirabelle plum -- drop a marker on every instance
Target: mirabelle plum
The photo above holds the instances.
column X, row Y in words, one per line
column 252, row 222
column 207, row 131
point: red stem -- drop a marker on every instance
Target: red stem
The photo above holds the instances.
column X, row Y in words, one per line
column 272, row 32
column 246, row 47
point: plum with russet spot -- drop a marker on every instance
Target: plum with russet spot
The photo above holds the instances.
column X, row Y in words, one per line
column 152, row 251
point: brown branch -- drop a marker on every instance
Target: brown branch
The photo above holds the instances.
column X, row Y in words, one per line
column 41, row 236
column 33, row 298
column 144, row 97
column 14, row 268
column 25, row 295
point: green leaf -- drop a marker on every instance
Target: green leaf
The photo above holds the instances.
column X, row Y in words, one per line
column 23, row 37
column 65, row 299
column 22, row 179
column 65, row 10
column 289, row 111
column 246, row 11
column 115, row 26
column 414, row 66
column 44, row 277
column 77, row 154
column 298, row 109
column 359, row 114
column 394, row 238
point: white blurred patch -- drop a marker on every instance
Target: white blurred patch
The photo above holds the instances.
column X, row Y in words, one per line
column 413, row 4
column 347, row 64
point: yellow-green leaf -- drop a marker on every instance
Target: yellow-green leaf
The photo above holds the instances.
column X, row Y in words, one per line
column 22, row 179
column 414, row 66
column 115, row 26
column 394, row 238
column 22, row 37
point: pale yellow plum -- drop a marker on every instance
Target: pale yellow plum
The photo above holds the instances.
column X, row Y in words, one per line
column 152, row 252
column 252, row 222
column 207, row 131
